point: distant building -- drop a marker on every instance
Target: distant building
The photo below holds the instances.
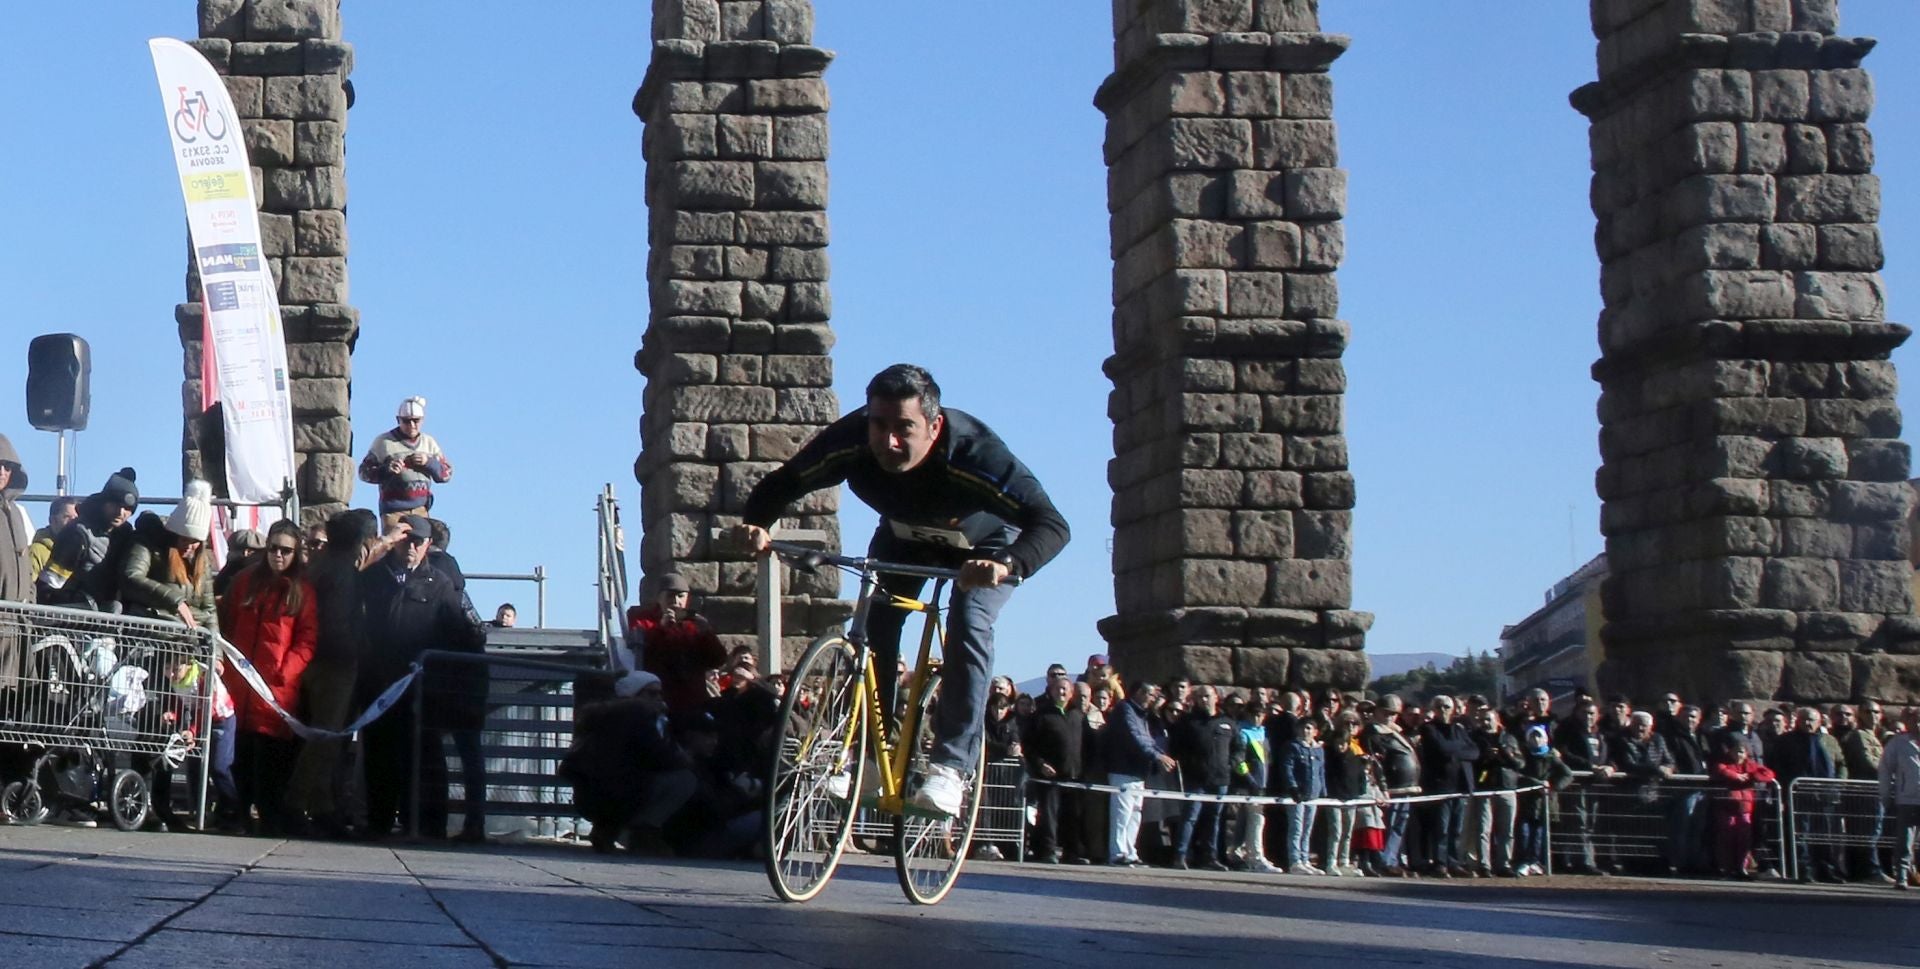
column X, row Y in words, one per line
column 1549, row 648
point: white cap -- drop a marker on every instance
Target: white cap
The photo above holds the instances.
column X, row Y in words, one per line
column 193, row 516
column 412, row 407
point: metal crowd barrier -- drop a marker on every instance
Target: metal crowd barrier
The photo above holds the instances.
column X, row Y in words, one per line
column 1621, row 822
column 1003, row 809
column 1835, row 819
column 104, row 705
column 524, row 714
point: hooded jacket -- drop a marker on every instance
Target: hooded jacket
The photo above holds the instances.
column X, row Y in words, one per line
column 146, row 587
column 279, row 644
column 16, row 533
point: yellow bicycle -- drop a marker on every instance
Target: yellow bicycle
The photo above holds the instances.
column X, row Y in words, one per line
column 832, row 724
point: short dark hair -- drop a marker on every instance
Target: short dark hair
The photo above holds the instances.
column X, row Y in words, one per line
column 441, row 535
column 62, row 502
column 905, row 381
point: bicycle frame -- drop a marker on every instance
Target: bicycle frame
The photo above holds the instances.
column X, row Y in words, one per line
column 893, row 752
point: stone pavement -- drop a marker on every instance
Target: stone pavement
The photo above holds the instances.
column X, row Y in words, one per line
column 73, row 898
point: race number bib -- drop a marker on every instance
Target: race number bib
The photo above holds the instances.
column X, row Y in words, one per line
column 929, row 535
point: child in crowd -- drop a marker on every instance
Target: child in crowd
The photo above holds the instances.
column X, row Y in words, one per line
column 1532, row 811
column 1250, row 760
column 1733, row 824
column 1307, row 783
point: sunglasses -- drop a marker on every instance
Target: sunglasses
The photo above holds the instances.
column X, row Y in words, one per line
column 409, row 420
column 419, row 539
column 280, row 550
column 315, row 543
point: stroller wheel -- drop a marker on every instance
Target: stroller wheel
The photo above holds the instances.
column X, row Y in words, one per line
column 130, row 801
column 23, row 804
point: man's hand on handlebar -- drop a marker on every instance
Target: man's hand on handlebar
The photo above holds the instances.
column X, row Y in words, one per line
column 982, row 574
column 751, row 538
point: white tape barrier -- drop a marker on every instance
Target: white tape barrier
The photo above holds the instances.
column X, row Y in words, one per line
column 1269, row 799
column 380, row 705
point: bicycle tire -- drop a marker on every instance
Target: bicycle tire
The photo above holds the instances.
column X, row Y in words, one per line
column 807, row 824
column 928, row 852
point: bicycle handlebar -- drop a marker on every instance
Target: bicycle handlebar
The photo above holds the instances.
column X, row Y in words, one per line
column 814, row 558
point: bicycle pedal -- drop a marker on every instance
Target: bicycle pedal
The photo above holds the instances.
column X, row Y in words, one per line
column 883, row 804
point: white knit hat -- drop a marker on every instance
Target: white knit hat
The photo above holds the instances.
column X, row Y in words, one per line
column 412, row 407
column 193, row 516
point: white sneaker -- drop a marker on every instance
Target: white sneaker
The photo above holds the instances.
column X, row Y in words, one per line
column 1334, row 870
column 1263, row 866
column 941, row 793
column 838, row 785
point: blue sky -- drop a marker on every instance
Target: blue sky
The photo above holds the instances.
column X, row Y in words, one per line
column 499, row 252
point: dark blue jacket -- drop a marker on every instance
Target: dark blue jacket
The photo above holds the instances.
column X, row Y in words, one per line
column 1131, row 746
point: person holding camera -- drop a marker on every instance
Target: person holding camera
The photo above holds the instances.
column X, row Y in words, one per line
column 406, row 462
column 671, row 641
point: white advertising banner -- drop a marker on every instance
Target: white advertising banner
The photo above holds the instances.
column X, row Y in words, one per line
column 245, row 348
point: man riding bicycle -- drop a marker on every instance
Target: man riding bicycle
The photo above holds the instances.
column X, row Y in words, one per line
column 949, row 495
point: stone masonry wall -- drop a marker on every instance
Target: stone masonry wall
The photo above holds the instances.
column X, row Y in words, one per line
column 1233, row 505
column 286, row 68
column 736, row 349
column 1753, row 482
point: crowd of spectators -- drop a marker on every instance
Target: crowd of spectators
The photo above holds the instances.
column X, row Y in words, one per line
column 329, row 617
column 1457, row 787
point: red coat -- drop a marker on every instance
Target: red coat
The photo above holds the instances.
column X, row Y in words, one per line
column 1740, row 780
column 279, row 645
column 680, row 653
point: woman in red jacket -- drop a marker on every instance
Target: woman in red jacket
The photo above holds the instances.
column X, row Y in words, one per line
column 269, row 615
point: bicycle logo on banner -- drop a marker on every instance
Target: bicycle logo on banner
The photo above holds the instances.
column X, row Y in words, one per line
column 195, row 115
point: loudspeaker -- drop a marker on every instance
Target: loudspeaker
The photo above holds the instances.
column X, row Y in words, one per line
column 59, row 370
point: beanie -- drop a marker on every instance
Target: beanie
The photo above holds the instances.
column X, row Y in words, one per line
column 193, row 516
column 412, row 407
column 120, row 489
column 632, row 683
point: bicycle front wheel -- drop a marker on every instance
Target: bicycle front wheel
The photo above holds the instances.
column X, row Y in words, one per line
column 928, row 852
column 813, row 788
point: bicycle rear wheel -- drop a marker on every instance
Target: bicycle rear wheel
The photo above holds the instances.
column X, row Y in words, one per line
column 928, row 852
column 814, row 786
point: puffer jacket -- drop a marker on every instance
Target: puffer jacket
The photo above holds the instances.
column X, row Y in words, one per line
column 81, row 569
column 254, row 617
column 1399, row 763
column 146, row 588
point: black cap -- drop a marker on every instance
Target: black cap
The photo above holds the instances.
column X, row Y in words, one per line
column 417, row 525
column 120, row 489
column 671, row 582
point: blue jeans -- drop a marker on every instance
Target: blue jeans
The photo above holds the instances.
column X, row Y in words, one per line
column 1530, row 843
column 1203, row 816
column 1445, row 819
column 1397, row 814
column 1300, row 833
column 1687, row 831
column 959, row 719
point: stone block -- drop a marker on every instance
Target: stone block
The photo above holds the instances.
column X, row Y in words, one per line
column 1849, row 149
column 248, row 94
column 1877, row 587
column 293, row 189
column 327, row 434
column 1829, row 198
column 1724, row 198
column 1307, row 96
column 1763, row 148
column 1323, row 534
column 325, row 477
column 1294, row 144
column 222, row 18
column 809, row 303
column 292, row 20
column 1840, row 96
column 1752, row 673
column 711, row 184
column 305, row 97
column 1788, row 246
column 1253, row 450
column 1310, row 414
column 1715, row 95
column 1260, row 666
column 1801, row 584
column 326, row 56
column 790, row 185
column 1220, row 411
column 783, row 228
column 1271, row 489
column 1254, row 94
column 1215, row 582
column 1309, row 584
column 1328, row 490
column 800, row 138
column 1263, row 534
column 319, row 143
column 1312, row 296
column 1257, row 195
column 277, row 234
column 1780, row 95
column 1316, row 193
column 788, row 96
column 1275, row 245
column 265, row 58
column 314, row 279
column 722, row 404
column 319, row 360
column 1210, row 143
column 1806, row 149
column 1840, row 296
column 1256, row 294
column 1851, row 247
column 1887, row 678
column 1816, row 677
column 320, row 232
column 1345, row 669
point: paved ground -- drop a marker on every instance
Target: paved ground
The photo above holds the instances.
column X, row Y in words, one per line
column 102, row 898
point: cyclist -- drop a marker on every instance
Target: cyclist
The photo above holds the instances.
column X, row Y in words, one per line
column 950, row 495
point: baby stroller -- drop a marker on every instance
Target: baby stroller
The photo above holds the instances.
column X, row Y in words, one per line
column 82, row 703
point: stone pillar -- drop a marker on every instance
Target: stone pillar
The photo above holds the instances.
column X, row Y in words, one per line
column 1752, row 477
column 286, row 68
column 1233, row 505
column 736, row 348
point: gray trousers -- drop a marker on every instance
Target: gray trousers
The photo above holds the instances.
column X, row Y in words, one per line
column 967, row 668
